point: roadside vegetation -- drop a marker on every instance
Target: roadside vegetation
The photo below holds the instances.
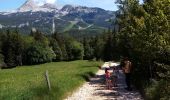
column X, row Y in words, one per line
column 28, row 82
column 140, row 32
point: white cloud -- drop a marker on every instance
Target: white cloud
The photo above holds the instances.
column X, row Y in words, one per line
column 50, row 1
column 41, row 2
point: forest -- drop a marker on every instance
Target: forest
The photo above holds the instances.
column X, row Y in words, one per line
column 140, row 32
column 144, row 36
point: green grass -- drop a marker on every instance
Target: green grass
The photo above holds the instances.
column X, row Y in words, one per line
column 28, row 82
column 68, row 27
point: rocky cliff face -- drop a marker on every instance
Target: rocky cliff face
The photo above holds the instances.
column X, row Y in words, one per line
column 28, row 6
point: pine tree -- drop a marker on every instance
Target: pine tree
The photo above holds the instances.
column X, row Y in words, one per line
column 1, row 53
column 98, row 45
column 88, row 50
column 19, row 47
column 56, row 48
column 8, row 49
column 61, row 42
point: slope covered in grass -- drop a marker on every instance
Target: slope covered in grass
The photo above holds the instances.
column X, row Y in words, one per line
column 28, row 82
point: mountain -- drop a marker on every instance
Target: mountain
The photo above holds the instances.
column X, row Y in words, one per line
column 46, row 18
column 31, row 5
column 80, row 9
column 28, row 5
column 49, row 6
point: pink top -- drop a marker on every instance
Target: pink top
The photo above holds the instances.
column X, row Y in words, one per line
column 107, row 75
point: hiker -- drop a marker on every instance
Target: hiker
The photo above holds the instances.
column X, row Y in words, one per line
column 114, row 76
column 127, row 71
column 108, row 78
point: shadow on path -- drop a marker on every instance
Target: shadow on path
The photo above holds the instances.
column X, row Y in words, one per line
column 116, row 93
column 95, row 88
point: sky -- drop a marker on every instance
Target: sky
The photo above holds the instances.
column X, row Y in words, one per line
column 7, row 5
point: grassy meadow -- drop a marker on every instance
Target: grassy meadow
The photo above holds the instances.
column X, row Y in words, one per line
column 29, row 83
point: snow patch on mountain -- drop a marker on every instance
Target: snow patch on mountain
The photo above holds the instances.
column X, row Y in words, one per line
column 74, row 22
column 13, row 26
column 23, row 24
column 49, row 6
column 8, row 12
column 36, row 21
column 83, row 28
column 77, row 9
column 31, row 5
column 1, row 26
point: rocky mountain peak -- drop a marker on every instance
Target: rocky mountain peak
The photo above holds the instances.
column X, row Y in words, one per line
column 28, row 5
column 78, row 9
column 31, row 5
column 49, row 6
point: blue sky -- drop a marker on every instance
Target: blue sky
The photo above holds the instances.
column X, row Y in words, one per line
column 105, row 4
column 6, row 5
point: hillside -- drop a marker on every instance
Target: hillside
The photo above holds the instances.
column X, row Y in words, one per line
column 48, row 18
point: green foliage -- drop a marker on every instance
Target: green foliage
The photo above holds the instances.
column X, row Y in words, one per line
column 1, row 56
column 98, row 45
column 102, row 47
column 38, row 48
column 66, row 47
column 38, row 53
column 38, row 36
column 88, row 49
column 110, row 48
column 158, row 90
column 77, row 50
column 56, row 48
column 60, row 40
column 74, row 49
column 143, row 35
column 12, row 48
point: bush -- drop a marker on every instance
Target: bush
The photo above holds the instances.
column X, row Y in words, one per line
column 74, row 50
column 77, row 51
column 158, row 91
column 57, row 50
column 2, row 64
column 38, row 53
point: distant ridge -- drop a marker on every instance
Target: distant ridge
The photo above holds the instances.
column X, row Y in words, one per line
column 47, row 17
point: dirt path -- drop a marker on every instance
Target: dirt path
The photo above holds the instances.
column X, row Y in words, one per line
column 96, row 89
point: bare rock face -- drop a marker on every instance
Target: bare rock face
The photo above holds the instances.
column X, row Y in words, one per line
column 49, row 6
column 29, row 5
column 79, row 9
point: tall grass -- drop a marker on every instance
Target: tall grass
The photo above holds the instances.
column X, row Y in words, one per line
column 28, row 82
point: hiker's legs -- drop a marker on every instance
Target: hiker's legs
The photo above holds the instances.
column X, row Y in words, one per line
column 107, row 83
column 114, row 81
column 110, row 84
column 128, row 80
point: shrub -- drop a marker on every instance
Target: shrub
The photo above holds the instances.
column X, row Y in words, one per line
column 38, row 53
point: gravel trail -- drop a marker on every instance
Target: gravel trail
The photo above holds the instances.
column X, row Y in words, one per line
column 95, row 89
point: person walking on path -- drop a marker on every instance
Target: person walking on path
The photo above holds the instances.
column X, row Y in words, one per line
column 115, row 76
column 127, row 66
column 108, row 78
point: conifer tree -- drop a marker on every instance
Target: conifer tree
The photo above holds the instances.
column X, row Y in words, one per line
column 88, row 50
